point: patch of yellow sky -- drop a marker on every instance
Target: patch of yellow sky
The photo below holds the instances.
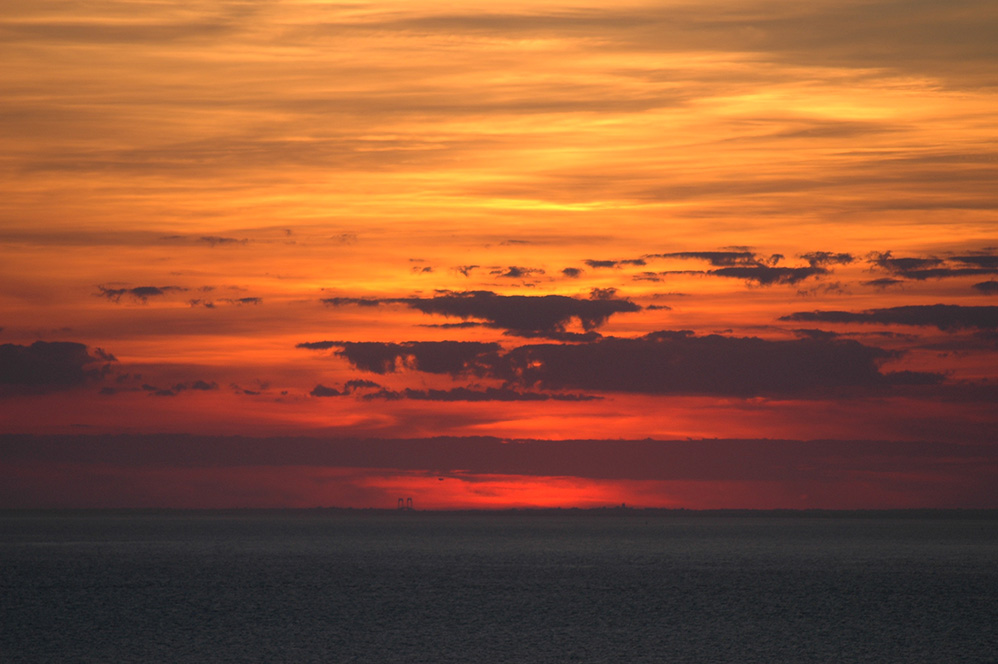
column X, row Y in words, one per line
column 402, row 125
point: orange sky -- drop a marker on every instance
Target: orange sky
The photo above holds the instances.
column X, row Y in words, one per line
column 765, row 220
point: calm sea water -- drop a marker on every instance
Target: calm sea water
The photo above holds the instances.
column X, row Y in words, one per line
column 317, row 586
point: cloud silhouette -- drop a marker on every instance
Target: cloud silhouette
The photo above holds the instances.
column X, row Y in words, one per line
column 49, row 366
column 670, row 362
column 516, row 272
column 521, row 315
column 441, row 357
column 216, row 240
column 177, row 388
column 750, row 266
column 715, row 258
column 637, row 262
column 987, row 287
column 822, row 258
column 982, row 260
column 766, row 275
column 323, row 391
column 358, row 301
column 931, row 267
column 141, row 293
column 468, row 394
column 885, row 282
column 942, row 316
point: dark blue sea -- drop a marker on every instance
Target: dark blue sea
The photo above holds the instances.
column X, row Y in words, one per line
column 553, row 586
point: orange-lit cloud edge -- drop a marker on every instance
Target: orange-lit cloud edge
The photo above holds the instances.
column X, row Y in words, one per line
column 552, row 224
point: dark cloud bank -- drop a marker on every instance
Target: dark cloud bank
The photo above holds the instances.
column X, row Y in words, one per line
column 666, row 362
column 47, row 366
column 671, row 362
column 943, row 316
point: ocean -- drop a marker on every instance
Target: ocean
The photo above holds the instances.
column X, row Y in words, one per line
column 513, row 586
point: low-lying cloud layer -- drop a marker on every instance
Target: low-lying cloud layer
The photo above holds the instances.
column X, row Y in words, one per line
column 666, row 362
column 943, row 316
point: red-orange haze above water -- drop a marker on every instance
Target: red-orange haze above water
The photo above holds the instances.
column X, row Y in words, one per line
column 543, row 254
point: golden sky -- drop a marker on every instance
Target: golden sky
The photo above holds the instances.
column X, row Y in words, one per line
column 544, row 221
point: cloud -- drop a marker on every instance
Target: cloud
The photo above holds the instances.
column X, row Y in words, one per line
column 987, row 287
column 522, row 315
column 454, row 326
column 323, row 391
column 982, row 260
column 516, row 272
column 238, row 302
column 822, row 258
column 942, row 316
column 952, row 40
column 815, row 334
column 715, row 258
column 669, row 362
column 115, row 32
column 211, row 240
column 201, row 385
column 602, row 293
column 468, row 394
column 638, row 262
column 319, row 345
column 750, row 266
column 572, row 272
column 141, row 293
column 944, row 273
column 453, row 394
column 931, row 267
column 215, row 240
column 49, row 366
column 441, row 357
column 197, row 385
column 765, row 275
column 358, row 301
column 561, row 336
column 545, row 314
column 885, row 282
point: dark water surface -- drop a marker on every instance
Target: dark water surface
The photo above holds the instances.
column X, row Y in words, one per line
column 327, row 586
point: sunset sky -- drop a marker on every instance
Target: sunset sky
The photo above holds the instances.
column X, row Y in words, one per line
column 670, row 254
